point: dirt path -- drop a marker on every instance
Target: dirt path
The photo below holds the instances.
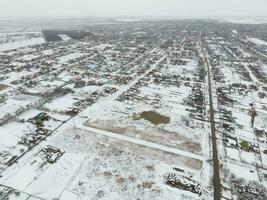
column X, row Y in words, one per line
column 216, row 167
column 142, row 143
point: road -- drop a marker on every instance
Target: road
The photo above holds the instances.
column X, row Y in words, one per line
column 216, row 167
column 142, row 142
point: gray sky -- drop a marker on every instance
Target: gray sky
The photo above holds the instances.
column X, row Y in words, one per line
column 39, row 8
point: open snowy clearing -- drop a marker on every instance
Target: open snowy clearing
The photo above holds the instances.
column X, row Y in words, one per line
column 84, row 169
column 257, row 41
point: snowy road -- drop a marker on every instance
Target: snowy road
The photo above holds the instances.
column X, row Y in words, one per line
column 216, row 169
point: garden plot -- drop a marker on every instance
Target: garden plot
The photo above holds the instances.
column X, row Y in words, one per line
column 8, row 193
column 44, row 87
column 28, row 57
column 82, row 98
column 51, row 124
column 243, row 127
column 251, row 158
column 187, row 67
column 264, row 156
column 17, row 104
column 40, row 179
column 263, row 176
column 243, row 151
column 242, row 171
column 232, row 153
column 86, row 90
column 230, row 75
column 61, row 104
column 91, row 162
column 9, row 106
column 34, row 112
column 34, row 126
column 13, row 76
column 52, row 83
column 243, row 144
column 39, row 89
column 69, row 57
column 102, row 46
column 10, row 146
column 48, row 52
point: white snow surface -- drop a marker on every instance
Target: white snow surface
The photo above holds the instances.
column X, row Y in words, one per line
column 64, row 37
column 72, row 56
column 22, row 43
column 257, row 41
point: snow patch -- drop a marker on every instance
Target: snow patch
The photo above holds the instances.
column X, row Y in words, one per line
column 257, row 41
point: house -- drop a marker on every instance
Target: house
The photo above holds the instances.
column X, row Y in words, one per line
column 38, row 119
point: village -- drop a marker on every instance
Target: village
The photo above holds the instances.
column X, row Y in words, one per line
column 173, row 110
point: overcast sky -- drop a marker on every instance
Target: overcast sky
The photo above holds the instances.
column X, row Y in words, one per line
column 51, row 8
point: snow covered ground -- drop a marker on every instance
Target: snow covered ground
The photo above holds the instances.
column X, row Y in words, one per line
column 95, row 167
column 12, row 42
column 245, row 20
column 128, row 117
column 72, row 56
column 240, row 144
column 257, row 41
column 64, row 37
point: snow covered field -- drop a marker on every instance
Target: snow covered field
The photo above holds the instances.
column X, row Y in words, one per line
column 72, row 56
column 11, row 42
column 108, row 167
column 245, row 20
column 257, row 41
